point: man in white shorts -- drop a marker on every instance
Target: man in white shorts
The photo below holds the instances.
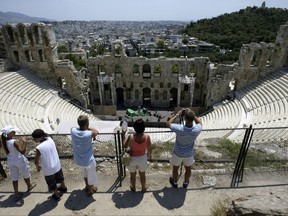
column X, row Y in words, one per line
column 183, row 151
column 83, row 152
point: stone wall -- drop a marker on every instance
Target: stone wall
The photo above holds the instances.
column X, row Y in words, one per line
column 255, row 61
column 34, row 47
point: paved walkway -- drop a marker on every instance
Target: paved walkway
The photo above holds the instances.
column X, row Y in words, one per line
column 160, row 199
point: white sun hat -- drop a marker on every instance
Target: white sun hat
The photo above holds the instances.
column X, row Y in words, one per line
column 8, row 129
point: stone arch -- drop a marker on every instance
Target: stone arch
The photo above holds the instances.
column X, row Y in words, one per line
column 120, row 96
column 146, row 71
column 165, row 95
column 37, row 34
column 137, row 94
column 173, row 97
column 10, row 33
column 156, row 96
column 118, row 69
column 22, row 33
column 256, row 57
column 16, row 56
column 136, row 70
column 27, row 55
column 146, row 97
column 41, row 55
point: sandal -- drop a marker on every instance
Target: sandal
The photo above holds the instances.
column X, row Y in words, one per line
column 144, row 189
column 94, row 189
column 56, row 197
column 63, row 190
column 17, row 198
column 29, row 188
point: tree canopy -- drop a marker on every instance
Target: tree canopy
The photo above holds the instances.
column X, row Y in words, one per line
column 230, row 31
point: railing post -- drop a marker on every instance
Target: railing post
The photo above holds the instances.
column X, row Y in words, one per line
column 118, row 156
column 244, row 155
column 239, row 167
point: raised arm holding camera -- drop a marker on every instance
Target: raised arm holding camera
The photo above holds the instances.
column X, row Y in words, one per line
column 183, row 151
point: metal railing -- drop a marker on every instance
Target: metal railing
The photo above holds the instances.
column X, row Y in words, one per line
column 207, row 148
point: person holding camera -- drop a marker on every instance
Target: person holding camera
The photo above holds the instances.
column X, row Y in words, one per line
column 183, row 151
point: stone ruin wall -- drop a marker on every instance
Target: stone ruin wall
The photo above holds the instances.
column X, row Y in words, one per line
column 34, row 47
column 255, row 61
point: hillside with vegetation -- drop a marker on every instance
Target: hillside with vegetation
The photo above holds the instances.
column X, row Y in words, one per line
column 230, row 31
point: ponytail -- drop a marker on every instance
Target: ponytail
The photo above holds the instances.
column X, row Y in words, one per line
column 4, row 142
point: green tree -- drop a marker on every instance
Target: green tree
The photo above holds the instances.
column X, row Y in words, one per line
column 185, row 41
column 160, row 44
column 62, row 49
column 78, row 63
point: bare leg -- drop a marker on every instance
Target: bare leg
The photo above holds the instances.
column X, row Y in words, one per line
column 29, row 185
column 15, row 187
column 187, row 174
column 133, row 181
column 143, row 181
column 175, row 173
column 63, row 184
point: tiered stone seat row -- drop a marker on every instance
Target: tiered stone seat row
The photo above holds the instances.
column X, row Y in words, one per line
column 262, row 104
column 28, row 101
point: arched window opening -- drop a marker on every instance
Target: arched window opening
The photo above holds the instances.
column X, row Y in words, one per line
column 146, row 71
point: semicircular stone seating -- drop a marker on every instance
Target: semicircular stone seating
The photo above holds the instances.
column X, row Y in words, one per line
column 262, row 104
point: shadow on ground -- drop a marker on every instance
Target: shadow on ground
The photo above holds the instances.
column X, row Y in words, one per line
column 127, row 199
column 170, row 198
column 11, row 201
column 43, row 207
column 78, row 200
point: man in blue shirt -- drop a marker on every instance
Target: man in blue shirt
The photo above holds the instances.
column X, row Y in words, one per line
column 183, row 151
column 83, row 152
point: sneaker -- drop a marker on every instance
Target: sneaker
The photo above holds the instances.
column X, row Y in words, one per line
column 185, row 184
column 173, row 184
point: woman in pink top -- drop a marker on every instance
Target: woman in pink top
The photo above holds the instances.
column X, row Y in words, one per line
column 139, row 143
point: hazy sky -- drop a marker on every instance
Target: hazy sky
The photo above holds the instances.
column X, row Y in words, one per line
column 145, row 10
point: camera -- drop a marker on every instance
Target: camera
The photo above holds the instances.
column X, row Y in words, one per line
column 183, row 112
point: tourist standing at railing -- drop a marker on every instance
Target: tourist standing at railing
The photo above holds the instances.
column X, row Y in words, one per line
column 83, row 152
column 2, row 171
column 47, row 159
column 17, row 162
column 183, row 151
column 140, row 149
